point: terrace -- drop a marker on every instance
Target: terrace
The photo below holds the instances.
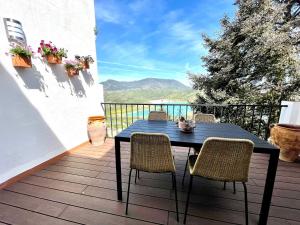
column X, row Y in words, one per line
column 80, row 189
column 51, row 174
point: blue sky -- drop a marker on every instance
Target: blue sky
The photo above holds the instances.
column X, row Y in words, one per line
column 155, row 38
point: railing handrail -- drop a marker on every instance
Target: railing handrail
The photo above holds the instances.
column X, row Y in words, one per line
column 187, row 104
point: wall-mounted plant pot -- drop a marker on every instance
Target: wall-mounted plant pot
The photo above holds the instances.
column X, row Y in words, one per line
column 21, row 61
column 287, row 138
column 85, row 65
column 72, row 72
column 53, row 59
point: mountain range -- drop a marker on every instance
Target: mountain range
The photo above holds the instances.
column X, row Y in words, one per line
column 147, row 83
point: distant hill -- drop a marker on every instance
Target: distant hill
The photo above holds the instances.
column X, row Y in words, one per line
column 148, row 83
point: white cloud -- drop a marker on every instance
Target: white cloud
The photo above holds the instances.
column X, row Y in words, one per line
column 108, row 11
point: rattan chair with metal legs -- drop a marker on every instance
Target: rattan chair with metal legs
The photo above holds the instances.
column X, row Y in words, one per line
column 222, row 159
column 199, row 117
column 152, row 153
column 158, row 115
column 153, row 115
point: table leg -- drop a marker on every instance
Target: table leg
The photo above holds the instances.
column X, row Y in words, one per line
column 118, row 168
column 269, row 185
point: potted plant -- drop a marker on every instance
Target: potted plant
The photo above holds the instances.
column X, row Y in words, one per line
column 21, row 56
column 52, row 54
column 72, row 67
column 85, row 61
column 287, row 138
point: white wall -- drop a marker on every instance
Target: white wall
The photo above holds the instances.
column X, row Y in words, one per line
column 290, row 114
column 43, row 112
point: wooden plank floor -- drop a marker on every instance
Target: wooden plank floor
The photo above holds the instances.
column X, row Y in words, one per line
column 81, row 189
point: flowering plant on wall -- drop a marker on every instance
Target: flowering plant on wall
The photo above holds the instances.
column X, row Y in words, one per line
column 85, row 60
column 21, row 55
column 72, row 67
column 53, row 54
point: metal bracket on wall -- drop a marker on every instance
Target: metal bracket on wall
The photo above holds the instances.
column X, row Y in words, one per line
column 14, row 31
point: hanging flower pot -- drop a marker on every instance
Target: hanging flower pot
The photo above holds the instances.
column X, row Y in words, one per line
column 53, row 59
column 72, row 72
column 72, row 67
column 21, row 56
column 21, row 61
column 85, row 61
column 52, row 54
column 85, row 65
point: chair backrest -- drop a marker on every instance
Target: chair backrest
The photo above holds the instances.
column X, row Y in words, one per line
column 158, row 115
column 224, row 159
column 151, row 152
column 207, row 118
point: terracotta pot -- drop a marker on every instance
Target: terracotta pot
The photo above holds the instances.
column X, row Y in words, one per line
column 21, row 61
column 72, row 72
column 85, row 65
column 96, row 130
column 53, row 59
column 287, row 138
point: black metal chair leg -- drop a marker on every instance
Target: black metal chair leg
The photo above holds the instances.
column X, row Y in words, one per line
column 186, row 164
column 129, row 179
column 246, row 202
column 176, row 199
column 224, row 188
column 234, row 190
column 136, row 173
column 172, row 181
column 188, row 199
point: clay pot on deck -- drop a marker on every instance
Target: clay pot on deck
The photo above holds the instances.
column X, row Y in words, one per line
column 21, row 61
column 96, row 130
column 287, row 138
column 53, row 59
column 72, row 72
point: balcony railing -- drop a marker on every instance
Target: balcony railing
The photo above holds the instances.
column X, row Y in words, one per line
column 254, row 118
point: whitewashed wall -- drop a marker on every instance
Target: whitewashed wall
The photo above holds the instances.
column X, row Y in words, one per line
column 290, row 114
column 42, row 111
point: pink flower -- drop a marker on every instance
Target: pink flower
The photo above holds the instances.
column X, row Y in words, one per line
column 42, row 41
column 39, row 50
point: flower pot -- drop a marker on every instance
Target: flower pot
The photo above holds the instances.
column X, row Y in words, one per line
column 72, row 72
column 53, row 59
column 85, row 65
column 287, row 138
column 96, row 130
column 21, row 61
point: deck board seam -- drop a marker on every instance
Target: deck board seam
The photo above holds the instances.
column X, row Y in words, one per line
column 228, row 209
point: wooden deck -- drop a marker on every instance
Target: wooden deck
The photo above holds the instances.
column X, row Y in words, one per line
column 81, row 189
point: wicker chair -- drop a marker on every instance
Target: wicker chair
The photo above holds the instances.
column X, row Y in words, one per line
column 158, row 115
column 205, row 118
column 222, row 159
column 152, row 153
column 153, row 115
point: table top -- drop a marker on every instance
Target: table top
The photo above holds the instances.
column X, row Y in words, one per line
column 201, row 132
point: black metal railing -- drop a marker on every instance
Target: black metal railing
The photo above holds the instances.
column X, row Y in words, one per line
column 254, row 118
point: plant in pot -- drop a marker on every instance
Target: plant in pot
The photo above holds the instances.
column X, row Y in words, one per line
column 51, row 53
column 21, row 56
column 72, row 67
column 85, row 61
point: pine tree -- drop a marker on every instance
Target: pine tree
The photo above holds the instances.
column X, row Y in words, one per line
column 256, row 57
